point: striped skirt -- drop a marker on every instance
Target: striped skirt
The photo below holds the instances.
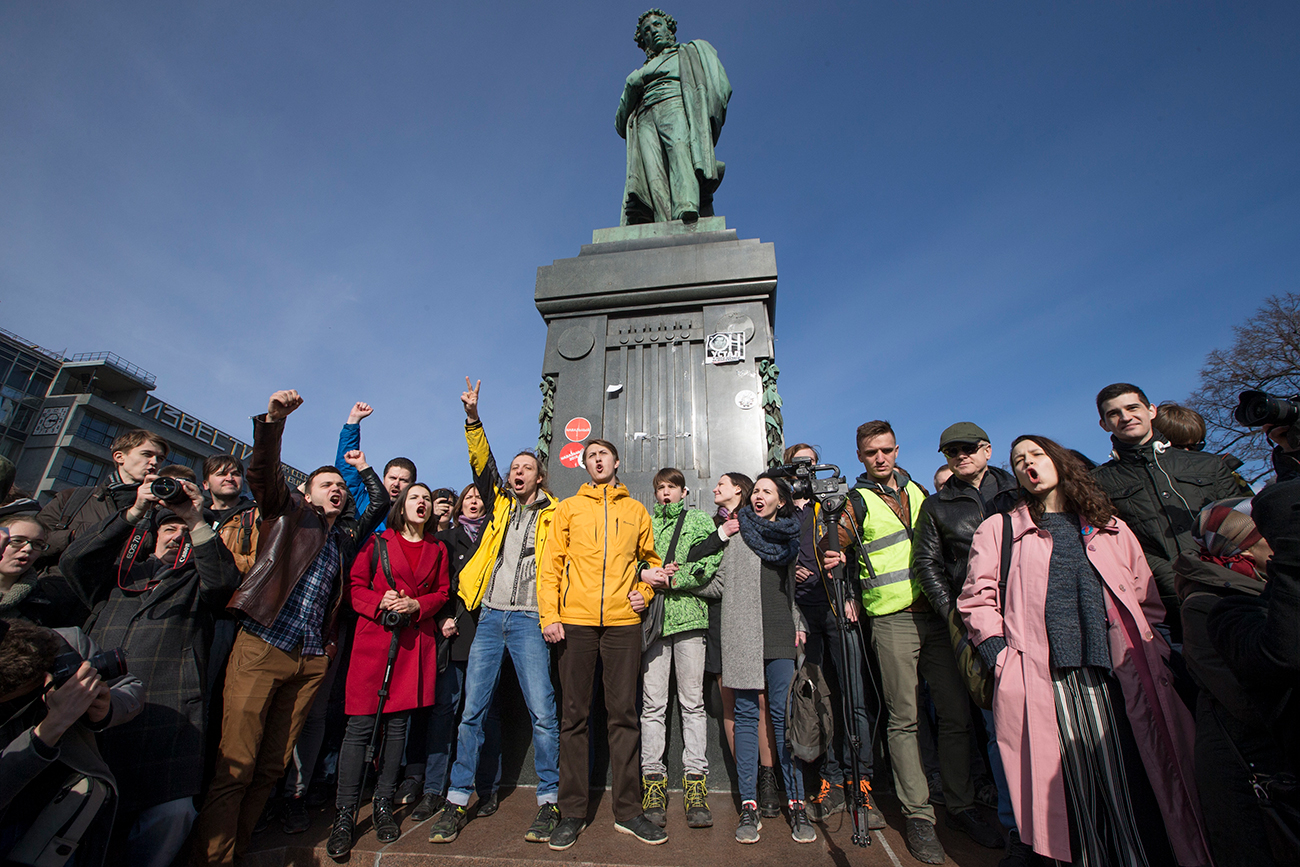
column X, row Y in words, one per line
column 1114, row 818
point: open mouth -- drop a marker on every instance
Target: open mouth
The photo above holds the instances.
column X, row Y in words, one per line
column 1032, row 475
column 420, row 512
column 336, row 499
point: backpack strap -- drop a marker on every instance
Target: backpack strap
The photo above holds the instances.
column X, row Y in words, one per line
column 677, row 534
column 381, row 544
column 1006, row 560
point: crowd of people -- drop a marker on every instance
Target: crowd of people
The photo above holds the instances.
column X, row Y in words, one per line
column 1108, row 656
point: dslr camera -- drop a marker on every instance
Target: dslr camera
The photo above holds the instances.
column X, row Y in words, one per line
column 393, row 619
column 1258, row 408
column 169, row 490
column 111, row 664
column 801, row 473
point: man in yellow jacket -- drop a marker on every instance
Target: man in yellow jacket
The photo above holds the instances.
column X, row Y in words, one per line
column 592, row 585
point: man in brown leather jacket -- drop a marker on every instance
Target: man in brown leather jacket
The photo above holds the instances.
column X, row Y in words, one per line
column 288, row 607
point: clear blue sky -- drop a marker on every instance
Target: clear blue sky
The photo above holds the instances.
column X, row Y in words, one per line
column 980, row 211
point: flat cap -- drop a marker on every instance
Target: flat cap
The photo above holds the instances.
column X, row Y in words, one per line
column 962, row 432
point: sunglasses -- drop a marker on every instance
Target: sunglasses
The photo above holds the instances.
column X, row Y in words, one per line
column 963, row 449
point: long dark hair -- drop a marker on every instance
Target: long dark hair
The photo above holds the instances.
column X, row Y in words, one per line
column 397, row 514
column 746, row 485
column 786, row 507
column 1083, row 496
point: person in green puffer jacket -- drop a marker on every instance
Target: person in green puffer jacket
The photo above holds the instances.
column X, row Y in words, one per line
column 677, row 530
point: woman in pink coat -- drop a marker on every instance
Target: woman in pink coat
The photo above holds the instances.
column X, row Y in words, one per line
column 1096, row 744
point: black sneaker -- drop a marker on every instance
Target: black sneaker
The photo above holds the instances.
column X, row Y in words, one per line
column 769, row 794
column 643, row 829
column 750, row 823
column 1019, row 854
column 801, row 830
column 544, row 825
column 294, row 819
column 922, row 842
column 654, row 798
column 972, row 824
column 828, row 801
column 430, row 803
column 566, row 833
column 381, row 814
column 447, row 824
column 875, row 818
column 340, row 840
column 408, row 791
column 487, row 806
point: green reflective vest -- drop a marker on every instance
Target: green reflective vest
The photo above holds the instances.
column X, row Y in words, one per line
column 888, row 586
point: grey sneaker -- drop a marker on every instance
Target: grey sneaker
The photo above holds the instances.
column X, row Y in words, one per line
column 922, row 842
column 447, row 824
column 544, row 825
column 801, row 830
column 750, row 823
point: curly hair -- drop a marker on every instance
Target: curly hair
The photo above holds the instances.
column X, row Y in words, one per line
column 668, row 19
column 1083, row 496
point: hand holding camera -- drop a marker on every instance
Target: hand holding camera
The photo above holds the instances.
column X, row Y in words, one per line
column 82, row 694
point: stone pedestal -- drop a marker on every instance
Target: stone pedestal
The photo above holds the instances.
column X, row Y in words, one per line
column 628, row 320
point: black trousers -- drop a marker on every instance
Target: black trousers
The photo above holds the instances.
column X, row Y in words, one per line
column 352, row 757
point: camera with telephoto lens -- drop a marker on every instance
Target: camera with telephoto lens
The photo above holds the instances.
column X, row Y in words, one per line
column 169, row 490
column 801, row 473
column 1258, row 408
column 393, row 619
column 111, row 664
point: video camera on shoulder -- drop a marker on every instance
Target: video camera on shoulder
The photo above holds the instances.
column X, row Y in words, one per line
column 801, row 472
column 1259, row 408
column 111, row 664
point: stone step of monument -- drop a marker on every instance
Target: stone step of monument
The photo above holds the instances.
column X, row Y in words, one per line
column 497, row 841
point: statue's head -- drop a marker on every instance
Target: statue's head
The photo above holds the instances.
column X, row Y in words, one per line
column 655, row 31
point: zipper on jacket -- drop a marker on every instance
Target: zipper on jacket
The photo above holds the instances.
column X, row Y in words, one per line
column 605, row 556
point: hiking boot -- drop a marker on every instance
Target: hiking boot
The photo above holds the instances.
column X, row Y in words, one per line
column 875, row 818
column 801, row 830
column 447, row 824
column 643, row 829
column 750, row 823
column 971, row 823
column 487, row 806
column 1019, row 854
column 828, row 801
column 769, row 794
column 381, row 816
column 408, row 791
column 294, row 819
column 544, row 825
column 341, row 832
column 430, row 804
column 695, row 797
column 566, row 833
column 654, row 798
column 922, row 842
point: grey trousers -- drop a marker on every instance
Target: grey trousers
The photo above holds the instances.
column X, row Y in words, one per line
column 666, row 157
column 685, row 652
column 908, row 645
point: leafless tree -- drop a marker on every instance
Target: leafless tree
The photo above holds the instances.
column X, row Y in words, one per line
column 1265, row 355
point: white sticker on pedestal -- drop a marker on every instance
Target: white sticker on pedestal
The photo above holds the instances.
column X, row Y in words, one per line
column 746, row 399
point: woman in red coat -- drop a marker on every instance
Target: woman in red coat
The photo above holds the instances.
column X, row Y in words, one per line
column 417, row 588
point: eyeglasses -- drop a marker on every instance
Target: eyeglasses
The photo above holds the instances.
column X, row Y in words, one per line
column 963, row 449
column 38, row 546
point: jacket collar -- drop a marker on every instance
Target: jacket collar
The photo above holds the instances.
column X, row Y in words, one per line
column 901, row 479
column 955, row 488
column 1127, row 453
column 670, row 511
column 1022, row 524
column 613, row 490
column 416, row 572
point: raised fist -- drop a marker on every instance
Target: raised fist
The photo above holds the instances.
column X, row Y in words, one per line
column 356, row 458
column 281, row 404
column 360, row 410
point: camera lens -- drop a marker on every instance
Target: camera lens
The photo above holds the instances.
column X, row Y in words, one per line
column 1257, row 408
column 168, row 490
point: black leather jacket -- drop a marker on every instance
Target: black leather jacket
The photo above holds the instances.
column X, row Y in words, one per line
column 945, row 527
column 1158, row 491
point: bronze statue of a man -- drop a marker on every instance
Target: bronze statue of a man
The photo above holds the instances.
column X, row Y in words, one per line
column 671, row 114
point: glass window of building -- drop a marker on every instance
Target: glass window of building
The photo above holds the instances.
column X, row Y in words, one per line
column 80, row 471
column 97, row 429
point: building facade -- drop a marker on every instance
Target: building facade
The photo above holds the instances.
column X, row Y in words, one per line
column 59, row 415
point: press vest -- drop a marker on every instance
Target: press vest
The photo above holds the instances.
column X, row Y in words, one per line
column 887, row 544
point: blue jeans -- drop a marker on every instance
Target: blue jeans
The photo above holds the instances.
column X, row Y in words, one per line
column 520, row 634
column 779, row 675
column 1006, row 815
column 441, row 723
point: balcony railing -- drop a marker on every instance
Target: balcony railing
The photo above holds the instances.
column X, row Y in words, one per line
column 118, row 362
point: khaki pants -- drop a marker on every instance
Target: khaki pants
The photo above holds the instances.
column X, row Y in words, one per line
column 910, row 645
column 267, row 697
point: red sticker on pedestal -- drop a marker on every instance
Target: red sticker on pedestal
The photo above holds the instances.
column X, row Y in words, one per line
column 571, row 455
column 577, row 430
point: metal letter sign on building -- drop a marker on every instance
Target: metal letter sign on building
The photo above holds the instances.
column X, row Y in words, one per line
column 191, row 426
column 653, row 331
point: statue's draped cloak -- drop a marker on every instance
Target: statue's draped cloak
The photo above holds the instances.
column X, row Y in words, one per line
column 705, row 93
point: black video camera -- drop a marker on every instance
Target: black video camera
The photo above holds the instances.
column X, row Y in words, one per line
column 169, row 490
column 1258, row 408
column 111, row 664
column 804, row 485
column 393, row 619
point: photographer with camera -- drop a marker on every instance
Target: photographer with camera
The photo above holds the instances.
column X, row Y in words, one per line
column 288, row 606
column 399, row 583
column 1157, row 490
column 56, row 791
column 159, row 604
